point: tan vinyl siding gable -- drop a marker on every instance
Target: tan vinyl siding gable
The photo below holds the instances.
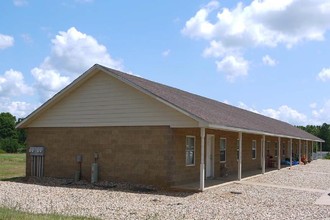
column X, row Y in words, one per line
column 105, row 101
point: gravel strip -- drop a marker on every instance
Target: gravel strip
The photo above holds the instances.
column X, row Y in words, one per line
column 123, row 201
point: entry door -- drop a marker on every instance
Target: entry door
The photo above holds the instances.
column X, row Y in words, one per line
column 209, row 156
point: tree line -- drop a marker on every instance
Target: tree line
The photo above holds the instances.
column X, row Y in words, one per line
column 321, row 131
column 12, row 140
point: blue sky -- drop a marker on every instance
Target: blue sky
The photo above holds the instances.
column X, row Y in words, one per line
column 268, row 56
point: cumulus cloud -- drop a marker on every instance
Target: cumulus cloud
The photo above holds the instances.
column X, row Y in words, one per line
column 18, row 108
column 6, row 41
column 283, row 113
column 266, row 23
column 12, row 84
column 233, row 67
column 286, row 113
column 323, row 113
column 72, row 53
column 324, row 75
column 267, row 60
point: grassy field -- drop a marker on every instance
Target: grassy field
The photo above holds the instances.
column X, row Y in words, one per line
column 11, row 166
column 10, row 214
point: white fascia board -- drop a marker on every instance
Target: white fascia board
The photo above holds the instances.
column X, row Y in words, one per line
column 226, row 128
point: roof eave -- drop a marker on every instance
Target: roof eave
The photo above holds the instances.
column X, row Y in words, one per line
column 227, row 128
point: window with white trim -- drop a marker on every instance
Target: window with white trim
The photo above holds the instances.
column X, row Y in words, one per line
column 254, row 149
column 237, row 147
column 190, row 150
column 223, row 147
column 283, row 150
column 276, row 149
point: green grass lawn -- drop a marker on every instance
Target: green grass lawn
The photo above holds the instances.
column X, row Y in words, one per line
column 11, row 214
column 12, row 165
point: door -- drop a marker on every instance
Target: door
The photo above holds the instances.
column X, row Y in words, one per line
column 209, row 156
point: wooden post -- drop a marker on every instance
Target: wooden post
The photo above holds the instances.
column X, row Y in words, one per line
column 239, row 177
column 202, row 165
column 279, row 154
column 263, row 154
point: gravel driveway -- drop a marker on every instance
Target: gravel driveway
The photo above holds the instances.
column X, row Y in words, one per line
column 285, row 194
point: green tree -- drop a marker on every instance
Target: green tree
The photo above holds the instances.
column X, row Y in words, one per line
column 7, row 125
column 11, row 139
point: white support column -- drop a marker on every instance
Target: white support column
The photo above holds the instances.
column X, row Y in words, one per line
column 321, row 149
column 263, row 154
column 202, row 165
column 279, row 154
column 307, row 152
column 290, row 152
column 299, row 154
column 239, row 177
column 313, row 150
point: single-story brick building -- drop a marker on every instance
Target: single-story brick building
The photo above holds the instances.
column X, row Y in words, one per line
column 145, row 132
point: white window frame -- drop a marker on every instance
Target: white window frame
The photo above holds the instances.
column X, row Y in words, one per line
column 237, row 150
column 190, row 150
column 275, row 149
column 225, row 150
column 254, row 149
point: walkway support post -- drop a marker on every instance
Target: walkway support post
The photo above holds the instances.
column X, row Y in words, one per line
column 321, row 149
column 279, row 154
column 202, row 165
column 291, row 152
column 239, row 177
column 263, row 154
column 299, row 154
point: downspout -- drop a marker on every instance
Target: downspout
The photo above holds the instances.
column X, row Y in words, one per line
column 202, row 165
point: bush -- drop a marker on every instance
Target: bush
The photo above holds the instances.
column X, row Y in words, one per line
column 327, row 156
column 9, row 145
column 2, row 151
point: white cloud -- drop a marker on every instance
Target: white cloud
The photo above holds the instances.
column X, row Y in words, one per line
column 166, row 53
column 16, row 108
column 266, row 23
column 233, row 67
column 267, row 60
column 283, row 113
column 20, row 3
column 323, row 113
column 6, row 41
column 324, row 75
column 72, row 53
column 288, row 114
column 12, row 84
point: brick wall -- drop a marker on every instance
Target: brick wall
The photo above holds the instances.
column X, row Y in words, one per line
column 135, row 154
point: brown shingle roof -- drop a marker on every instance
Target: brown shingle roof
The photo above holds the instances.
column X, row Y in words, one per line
column 211, row 111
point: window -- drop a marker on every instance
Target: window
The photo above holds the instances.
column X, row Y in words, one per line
column 268, row 148
column 223, row 146
column 237, row 144
column 190, row 150
column 283, row 150
column 254, row 149
column 275, row 149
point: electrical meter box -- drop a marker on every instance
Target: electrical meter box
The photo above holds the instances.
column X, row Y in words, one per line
column 37, row 151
